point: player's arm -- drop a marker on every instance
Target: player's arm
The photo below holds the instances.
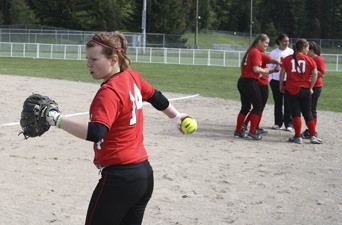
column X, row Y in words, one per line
column 256, row 58
column 85, row 130
column 158, row 101
column 313, row 79
column 281, row 80
column 320, row 68
column 320, row 74
column 70, row 125
column 275, row 60
column 266, row 59
column 258, row 69
column 161, row 103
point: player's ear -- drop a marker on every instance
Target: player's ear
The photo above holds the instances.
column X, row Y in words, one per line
column 115, row 59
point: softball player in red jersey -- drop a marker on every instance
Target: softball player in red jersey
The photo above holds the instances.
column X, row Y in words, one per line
column 315, row 54
column 248, row 86
column 116, row 128
column 301, row 77
column 263, row 87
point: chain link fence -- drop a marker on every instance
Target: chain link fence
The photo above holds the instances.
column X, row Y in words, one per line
column 53, row 43
column 50, row 35
column 56, row 36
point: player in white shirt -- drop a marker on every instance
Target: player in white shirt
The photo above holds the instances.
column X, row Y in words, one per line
column 281, row 116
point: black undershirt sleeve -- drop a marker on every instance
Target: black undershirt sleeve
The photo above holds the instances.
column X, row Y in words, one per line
column 96, row 132
column 159, row 101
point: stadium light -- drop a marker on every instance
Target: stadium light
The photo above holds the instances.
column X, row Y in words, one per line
column 251, row 24
column 196, row 31
column 143, row 25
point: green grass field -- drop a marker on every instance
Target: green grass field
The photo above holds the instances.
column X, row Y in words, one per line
column 207, row 81
column 206, row 41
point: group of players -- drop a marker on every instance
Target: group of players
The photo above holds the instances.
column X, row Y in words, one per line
column 295, row 76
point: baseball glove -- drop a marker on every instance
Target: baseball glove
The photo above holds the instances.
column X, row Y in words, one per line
column 33, row 116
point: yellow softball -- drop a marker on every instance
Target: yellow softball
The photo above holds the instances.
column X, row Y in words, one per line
column 189, row 125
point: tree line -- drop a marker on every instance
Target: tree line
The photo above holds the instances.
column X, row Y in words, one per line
column 297, row 18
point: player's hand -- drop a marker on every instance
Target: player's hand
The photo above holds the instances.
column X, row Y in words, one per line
column 311, row 91
column 178, row 120
column 52, row 117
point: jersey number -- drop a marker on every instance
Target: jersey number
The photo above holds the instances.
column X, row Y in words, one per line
column 301, row 64
column 136, row 99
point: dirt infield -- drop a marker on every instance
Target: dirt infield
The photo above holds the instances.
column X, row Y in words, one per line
column 205, row 178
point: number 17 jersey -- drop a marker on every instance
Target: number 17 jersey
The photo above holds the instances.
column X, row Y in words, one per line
column 118, row 106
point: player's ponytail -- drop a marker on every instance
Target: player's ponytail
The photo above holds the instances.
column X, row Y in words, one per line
column 315, row 47
column 298, row 48
column 125, row 61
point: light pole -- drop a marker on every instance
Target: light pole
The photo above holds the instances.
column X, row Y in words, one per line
column 143, row 25
column 251, row 24
column 196, row 29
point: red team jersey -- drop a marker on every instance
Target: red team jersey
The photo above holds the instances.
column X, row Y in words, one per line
column 295, row 79
column 320, row 67
column 263, row 80
column 118, row 106
column 254, row 58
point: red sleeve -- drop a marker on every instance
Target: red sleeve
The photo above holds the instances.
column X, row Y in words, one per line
column 265, row 60
column 253, row 58
column 105, row 107
column 256, row 57
column 320, row 64
column 147, row 89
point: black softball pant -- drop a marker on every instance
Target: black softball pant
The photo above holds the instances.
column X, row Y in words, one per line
column 300, row 104
column 279, row 98
column 249, row 95
column 121, row 196
column 314, row 100
column 264, row 92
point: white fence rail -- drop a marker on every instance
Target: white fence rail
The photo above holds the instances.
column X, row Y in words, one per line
column 208, row 57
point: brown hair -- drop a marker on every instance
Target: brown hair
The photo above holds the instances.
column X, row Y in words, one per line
column 280, row 38
column 113, row 43
column 315, row 47
column 262, row 37
column 298, row 47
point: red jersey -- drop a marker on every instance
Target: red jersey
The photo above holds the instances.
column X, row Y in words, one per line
column 118, row 106
column 263, row 80
column 321, row 68
column 254, row 58
column 298, row 77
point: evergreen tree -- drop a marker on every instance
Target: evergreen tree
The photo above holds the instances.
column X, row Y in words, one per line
column 165, row 16
column 332, row 19
column 20, row 13
column 113, row 14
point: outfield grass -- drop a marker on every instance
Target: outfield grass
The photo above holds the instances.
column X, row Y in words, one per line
column 208, row 81
column 206, row 41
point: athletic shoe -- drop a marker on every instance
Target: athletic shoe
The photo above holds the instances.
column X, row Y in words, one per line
column 244, row 127
column 276, row 127
column 261, row 131
column 240, row 135
column 289, row 129
column 306, row 134
column 255, row 136
column 315, row 140
column 296, row 139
